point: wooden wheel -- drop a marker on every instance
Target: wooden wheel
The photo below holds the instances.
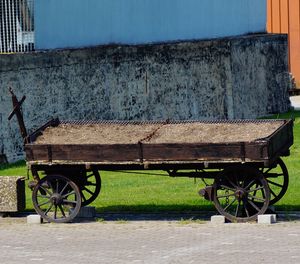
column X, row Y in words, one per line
column 90, row 188
column 241, row 193
column 56, row 198
column 278, row 180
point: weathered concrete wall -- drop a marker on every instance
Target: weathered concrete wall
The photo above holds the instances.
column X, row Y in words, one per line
column 242, row 77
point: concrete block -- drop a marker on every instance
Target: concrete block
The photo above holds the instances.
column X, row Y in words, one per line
column 12, row 194
column 266, row 219
column 217, row 219
column 34, row 219
column 86, row 212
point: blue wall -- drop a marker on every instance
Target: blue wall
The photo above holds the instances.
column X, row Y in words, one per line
column 79, row 23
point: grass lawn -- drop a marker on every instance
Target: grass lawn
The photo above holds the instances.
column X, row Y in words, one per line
column 148, row 191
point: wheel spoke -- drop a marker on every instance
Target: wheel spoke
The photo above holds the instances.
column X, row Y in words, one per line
column 237, row 208
column 268, row 170
column 254, row 206
column 256, row 186
column 89, row 176
column 48, row 210
column 90, row 184
column 68, row 194
column 226, row 187
column 230, row 181
column 256, row 198
column 62, row 210
column 86, row 189
column 246, row 210
column 43, row 196
column 250, row 184
column 56, row 186
column 255, row 190
column 225, row 195
column 263, row 193
column 50, row 184
column 55, row 211
column 275, row 183
column 70, row 202
column 82, row 195
column 39, row 205
column 230, row 204
column 274, row 175
column 237, row 180
column 63, row 189
column 45, row 190
column 273, row 193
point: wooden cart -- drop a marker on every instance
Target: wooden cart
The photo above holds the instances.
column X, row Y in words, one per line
column 241, row 156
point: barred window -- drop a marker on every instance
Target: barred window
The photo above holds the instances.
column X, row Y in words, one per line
column 16, row 26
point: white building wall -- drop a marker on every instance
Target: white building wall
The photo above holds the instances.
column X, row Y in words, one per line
column 79, row 23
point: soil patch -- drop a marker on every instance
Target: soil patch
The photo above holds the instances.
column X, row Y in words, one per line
column 197, row 132
column 214, row 133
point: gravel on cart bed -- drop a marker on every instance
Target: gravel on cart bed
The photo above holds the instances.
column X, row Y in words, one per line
column 213, row 133
column 195, row 132
column 96, row 134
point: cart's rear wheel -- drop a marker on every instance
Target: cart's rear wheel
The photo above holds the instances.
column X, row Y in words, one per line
column 241, row 193
column 278, row 180
column 91, row 187
column 56, row 198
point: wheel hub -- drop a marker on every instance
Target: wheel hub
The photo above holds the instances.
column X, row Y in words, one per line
column 240, row 193
column 56, row 199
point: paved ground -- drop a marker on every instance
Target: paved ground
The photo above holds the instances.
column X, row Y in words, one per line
column 151, row 241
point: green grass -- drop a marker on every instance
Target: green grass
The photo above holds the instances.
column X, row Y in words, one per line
column 153, row 191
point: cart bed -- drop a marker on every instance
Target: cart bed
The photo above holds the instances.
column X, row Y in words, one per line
column 113, row 142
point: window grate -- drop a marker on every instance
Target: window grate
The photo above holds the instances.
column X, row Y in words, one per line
column 16, row 26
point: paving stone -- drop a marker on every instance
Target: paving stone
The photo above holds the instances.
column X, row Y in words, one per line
column 152, row 242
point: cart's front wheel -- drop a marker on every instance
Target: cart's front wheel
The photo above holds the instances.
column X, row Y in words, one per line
column 56, row 198
column 241, row 193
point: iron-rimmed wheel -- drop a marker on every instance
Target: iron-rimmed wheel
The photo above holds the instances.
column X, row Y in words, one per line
column 241, row 193
column 278, row 180
column 57, row 199
column 91, row 187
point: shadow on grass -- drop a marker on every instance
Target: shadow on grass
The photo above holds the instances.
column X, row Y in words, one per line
column 150, row 212
column 287, row 208
column 154, row 208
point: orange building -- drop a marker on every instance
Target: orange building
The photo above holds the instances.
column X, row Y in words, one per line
column 284, row 17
